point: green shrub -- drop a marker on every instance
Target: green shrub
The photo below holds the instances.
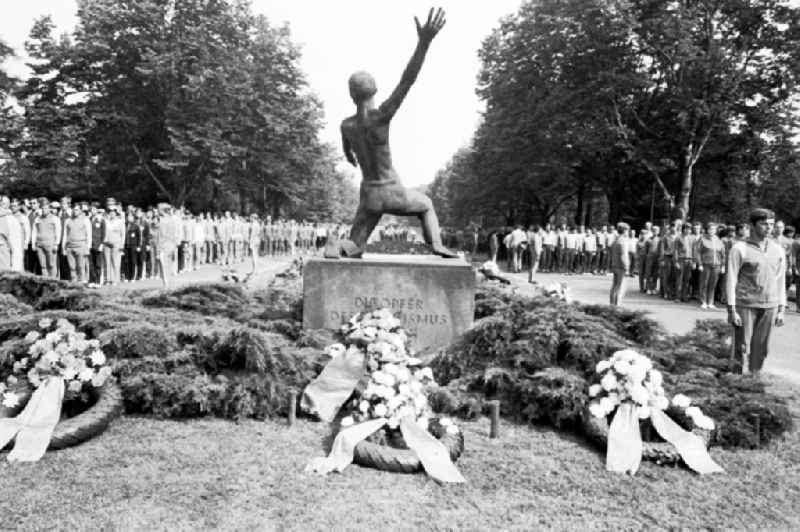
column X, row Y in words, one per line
column 538, row 357
column 213, row 299
column 137, row 341
column 30, row 288
column 11, row 307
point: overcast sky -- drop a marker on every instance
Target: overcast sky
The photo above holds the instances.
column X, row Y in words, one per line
column 338, row 38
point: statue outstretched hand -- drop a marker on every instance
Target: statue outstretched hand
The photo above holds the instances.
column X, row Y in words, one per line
column 432, row 26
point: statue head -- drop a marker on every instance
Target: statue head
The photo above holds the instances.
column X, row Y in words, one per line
column 362, row 86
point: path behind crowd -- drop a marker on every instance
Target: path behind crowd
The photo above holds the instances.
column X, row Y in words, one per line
column 266, row 268
column 784, row 352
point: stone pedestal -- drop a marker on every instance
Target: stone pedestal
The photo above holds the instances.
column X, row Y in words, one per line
column 433, row 297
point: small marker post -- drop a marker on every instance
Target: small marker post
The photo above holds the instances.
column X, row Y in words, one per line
column 292, row 407
column 494, row 413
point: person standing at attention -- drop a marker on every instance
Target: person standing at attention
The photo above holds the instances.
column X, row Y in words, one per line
column 756, row 291
column 619, row 262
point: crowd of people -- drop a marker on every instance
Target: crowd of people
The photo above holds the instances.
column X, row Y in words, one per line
column 749, row 268
column 105, row 245
column 681, row 261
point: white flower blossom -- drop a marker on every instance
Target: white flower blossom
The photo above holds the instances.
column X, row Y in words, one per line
column 32, row 336
column 622, row 367
column 45, row 323
column 86, row 374
column 10, row 399
column 594, row 390
column 597, row 410
column 660, row 402
column 607, row 404
column 655, row 377
column 639, row 394
column 643, row 412
column 380, row 410
column 97, row 358
column 602, row 366
column 681, row 401
column 704, row 422
column 445, row 421
column 452, row 429
column 75, row 386
column 364, row 406
column 347, row 421
column 608, row 382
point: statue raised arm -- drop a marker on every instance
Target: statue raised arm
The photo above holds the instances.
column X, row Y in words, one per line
column 365, row 142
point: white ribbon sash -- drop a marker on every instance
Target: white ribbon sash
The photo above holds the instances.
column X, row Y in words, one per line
column 325, row 395
column 690, row 446
column 624, row 450
column 431, row 452
column 33, row 427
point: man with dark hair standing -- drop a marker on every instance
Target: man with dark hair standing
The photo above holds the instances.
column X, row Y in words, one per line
column 77, row 240
column 756, row 290
column 651, row 260
column 46, row 237
column 619, row 263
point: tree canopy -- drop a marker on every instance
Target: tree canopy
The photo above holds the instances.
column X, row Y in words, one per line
column 198, row 103
column 616, row 99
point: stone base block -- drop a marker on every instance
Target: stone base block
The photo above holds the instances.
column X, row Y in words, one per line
column 433, row 297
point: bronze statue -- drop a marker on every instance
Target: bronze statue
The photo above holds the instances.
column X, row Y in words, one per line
column 365, row 140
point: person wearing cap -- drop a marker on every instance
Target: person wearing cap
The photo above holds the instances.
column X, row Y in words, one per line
column 46, row 237
column 113, row 243
column 77, row 240
column 619, row 263
column 756, row 290
column 10, row 235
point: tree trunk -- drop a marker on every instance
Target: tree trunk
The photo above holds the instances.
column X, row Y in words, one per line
column 681, row 207
column 579, row 206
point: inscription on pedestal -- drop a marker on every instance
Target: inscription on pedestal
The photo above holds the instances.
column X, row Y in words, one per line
column 433, row 297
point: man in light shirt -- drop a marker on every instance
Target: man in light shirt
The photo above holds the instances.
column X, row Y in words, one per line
column 619, row 260
column 517, row 244
column 756, row 290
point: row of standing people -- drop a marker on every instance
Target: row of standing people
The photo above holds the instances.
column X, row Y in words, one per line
column 94, row 245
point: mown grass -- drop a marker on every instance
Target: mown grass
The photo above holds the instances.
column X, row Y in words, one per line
column 209, row 474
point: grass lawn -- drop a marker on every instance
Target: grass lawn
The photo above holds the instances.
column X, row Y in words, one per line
column 147, row 474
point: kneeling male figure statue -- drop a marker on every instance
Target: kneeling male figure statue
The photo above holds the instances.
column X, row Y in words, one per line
column 365, row 140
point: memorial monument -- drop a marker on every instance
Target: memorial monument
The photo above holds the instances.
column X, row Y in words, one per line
column 433, row 295
column 365, row 141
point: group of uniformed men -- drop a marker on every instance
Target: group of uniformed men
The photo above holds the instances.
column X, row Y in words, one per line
column 681, row 262
column 96, row 245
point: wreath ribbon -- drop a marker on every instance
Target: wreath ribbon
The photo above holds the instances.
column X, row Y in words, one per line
column 432, row 453
column 624, row 451
column 32, row 428
column 326, row 394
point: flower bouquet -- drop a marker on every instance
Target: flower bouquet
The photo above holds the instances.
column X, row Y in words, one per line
column 631, row 391
column 61, row 374
column 387, row 421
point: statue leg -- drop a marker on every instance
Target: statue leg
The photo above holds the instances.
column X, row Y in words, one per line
column 422, row 206
column 363, row 225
